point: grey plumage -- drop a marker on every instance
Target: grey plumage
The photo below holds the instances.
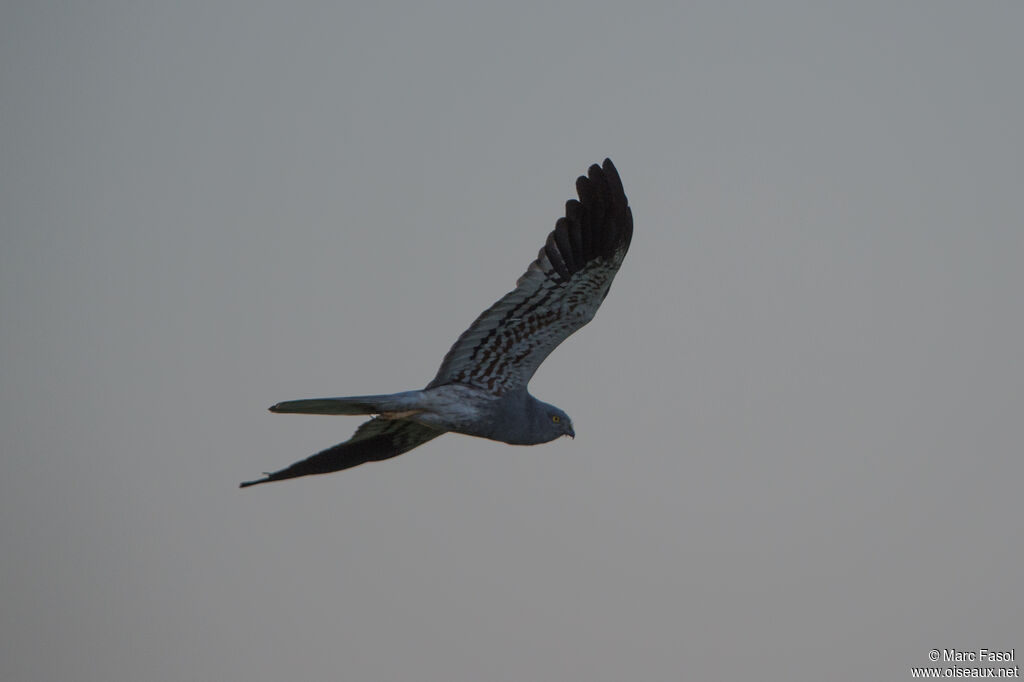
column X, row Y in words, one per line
column 481, row 386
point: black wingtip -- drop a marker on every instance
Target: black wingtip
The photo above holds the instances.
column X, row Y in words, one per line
column 612, row 173
column 267, row 479
column 598, row 225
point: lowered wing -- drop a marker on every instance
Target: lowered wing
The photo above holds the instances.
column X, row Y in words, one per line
column 375, row 440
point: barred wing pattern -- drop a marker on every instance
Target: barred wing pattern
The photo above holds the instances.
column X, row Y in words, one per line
column 375, row 440
column 559, row 293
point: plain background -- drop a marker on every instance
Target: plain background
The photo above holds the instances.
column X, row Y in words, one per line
column 799, row 412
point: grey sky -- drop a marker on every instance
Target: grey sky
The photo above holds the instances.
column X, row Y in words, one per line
column 798, row 413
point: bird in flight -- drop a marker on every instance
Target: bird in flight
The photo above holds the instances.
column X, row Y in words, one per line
column 481, row 387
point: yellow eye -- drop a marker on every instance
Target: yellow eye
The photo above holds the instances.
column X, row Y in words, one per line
column 555, row 418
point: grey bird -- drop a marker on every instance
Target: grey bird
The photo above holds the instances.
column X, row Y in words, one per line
column 481, row 387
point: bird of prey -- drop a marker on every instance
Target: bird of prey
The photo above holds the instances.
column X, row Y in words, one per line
column 481, row 387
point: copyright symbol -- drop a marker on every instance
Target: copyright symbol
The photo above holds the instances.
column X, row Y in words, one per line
column 933, row 655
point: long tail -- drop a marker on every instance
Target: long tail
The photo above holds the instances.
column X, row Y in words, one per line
column 359, row 404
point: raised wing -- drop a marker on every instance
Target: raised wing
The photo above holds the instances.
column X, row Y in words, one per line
column 375, row 440
column 559, row 293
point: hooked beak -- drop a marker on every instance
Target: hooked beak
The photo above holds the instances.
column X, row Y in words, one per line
column 571, row 433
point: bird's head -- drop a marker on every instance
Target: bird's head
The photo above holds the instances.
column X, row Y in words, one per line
column 557, row 423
